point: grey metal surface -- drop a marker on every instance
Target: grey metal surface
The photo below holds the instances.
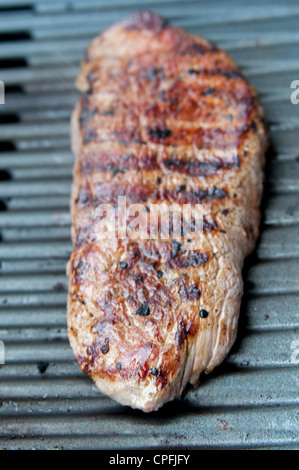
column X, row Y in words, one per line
column 251, row 401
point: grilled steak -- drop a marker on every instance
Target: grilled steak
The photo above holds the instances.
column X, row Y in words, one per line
column 164, row 116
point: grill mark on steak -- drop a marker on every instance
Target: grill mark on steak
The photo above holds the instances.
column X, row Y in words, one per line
column 192, row 167
column 116, row 162
column 109, row 193
column 201, row 138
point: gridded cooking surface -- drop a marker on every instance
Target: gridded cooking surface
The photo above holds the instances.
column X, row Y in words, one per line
column 45, row 401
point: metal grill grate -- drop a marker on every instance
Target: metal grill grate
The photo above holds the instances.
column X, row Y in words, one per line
column 45, row 402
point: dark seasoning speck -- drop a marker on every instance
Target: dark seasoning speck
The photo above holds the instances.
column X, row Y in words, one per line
column 143, row 310
column 203, row 313
column 176, row 248
column 159, row 133
column 105, row 347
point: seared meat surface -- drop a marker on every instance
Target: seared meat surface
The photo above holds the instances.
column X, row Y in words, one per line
column 163, row 117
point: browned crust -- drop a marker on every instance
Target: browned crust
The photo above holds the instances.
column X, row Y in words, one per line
column 170, row 119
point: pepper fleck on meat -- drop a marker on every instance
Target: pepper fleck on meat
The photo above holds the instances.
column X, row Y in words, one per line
column 203, row 313
column 143, row 310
